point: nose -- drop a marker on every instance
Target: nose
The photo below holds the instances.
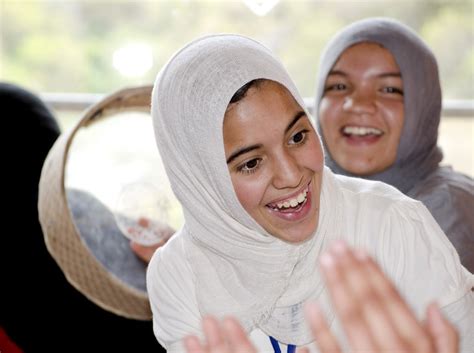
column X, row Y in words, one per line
column 360, row 102
column 286, row 172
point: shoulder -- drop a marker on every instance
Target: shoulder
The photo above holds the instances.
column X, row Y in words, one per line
column 371, row 189
column 368, row 209
column 417, row 253
column 170, row 262
column 370, row 199
column 171, row 290
column 449, row 196
column 444, row 182
column 386, row 206
column 406, row 240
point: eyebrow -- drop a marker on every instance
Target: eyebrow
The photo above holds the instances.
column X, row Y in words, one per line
column 297, row 117
column 391, row 74
column 385, row 74
column 337, row 72
column 242, row 151
column 247, row 149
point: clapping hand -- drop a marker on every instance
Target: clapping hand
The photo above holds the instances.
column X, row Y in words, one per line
column 373, row 315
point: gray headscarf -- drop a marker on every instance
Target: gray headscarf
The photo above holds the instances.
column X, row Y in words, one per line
column 448, row 195
column 418, row 154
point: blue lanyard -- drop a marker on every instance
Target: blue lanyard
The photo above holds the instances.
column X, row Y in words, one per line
column 276, row 347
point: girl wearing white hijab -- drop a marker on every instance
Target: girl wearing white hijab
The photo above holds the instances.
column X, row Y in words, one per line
column 379, row 103
column 260, row 207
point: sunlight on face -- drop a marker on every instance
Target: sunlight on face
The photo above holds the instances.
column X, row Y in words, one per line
column 275, row 161
column 361, row 112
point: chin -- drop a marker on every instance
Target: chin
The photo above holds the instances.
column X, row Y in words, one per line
column 362, row 170
column 295, row 237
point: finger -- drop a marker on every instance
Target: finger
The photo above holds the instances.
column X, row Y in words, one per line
column 214, row 336
column 192, row 345
column 444, row 334
column 322, row 334
column 404, row 321
column 237, row 338
column 346, row 305
column 302, row 350
column 372, row 304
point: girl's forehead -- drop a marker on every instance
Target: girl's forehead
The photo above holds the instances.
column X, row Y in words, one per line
column 366, row 49
column 364, row 57
column 265, row 110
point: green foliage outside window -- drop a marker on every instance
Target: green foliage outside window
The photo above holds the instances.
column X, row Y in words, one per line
column 67, row 46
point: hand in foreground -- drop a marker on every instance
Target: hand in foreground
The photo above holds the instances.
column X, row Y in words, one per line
column 372, row 313
column 227, row 336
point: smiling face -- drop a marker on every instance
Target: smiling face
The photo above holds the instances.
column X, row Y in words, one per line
column 361, row 111
column 275, row 161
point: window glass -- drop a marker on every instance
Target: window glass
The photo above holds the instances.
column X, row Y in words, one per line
column 99, row 46
column 71, row 46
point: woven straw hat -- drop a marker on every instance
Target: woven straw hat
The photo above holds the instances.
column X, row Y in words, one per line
column 67, row 220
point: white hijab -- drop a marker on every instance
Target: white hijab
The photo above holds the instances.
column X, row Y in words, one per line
column 240, row 268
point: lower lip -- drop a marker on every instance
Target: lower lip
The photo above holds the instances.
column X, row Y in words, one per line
column 297, row 215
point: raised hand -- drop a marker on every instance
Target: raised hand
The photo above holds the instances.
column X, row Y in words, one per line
column 373, row 315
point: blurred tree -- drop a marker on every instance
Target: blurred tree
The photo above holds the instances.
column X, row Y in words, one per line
column 67, row 46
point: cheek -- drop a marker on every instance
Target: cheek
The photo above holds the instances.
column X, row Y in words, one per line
column 395, row 118
column 324, row 109
column 327, row 116
column 248, row 192
column 313, row 156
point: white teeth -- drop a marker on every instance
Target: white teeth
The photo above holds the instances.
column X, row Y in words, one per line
column 293, row 202
column 301, row 198
column 361, row 131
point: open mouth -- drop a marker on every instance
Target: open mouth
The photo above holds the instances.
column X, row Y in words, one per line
column 360, row 131
column 293, row 204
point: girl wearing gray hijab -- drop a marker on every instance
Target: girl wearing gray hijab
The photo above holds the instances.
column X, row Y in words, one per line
column 261, row 209
column 378, row 104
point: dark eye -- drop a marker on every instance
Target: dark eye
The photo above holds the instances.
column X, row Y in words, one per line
column 336, row 87
column 298, row 138
column 249, row 166
column 392, row 90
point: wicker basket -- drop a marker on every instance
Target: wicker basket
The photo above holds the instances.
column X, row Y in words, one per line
column 63, row 240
